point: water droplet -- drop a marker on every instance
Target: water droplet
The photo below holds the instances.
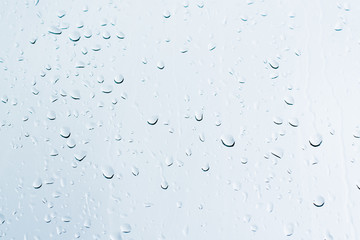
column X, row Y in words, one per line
column 80, row 155
column 119, row 79
column 74, row 36
column 294, row 122
column 206, row 167
column 243, row 160
column 66, row 219
column 116, row 236
column 356, row 133
column 315, row 140
column 71, row 143
column 169, row 161
column 2, row 218
column 88, row 33
column 108, row 172
column 164, row 185
column 37, row 183
column 289, row 229
column 211, row 46
column 228, row 140
column 274, row 64
column 75, row 94
column 61, row 13
column 289, row 100
column 277, row 152
column 120, row 35
column 166, row 14
column 319, row 201
column 153, row 120
column 51, row 115
column 278, row 120
column 65, row 132
column 135, row 171
column 125, row 228
column 160, row 65
column 55, row 30
column 198, row 116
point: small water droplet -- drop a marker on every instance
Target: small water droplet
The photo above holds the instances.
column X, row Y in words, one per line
column 2, row 218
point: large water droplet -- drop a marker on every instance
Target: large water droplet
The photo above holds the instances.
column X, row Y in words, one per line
column 55, row 30
column 228, row 140
column 125, row 228
column 319, row 201
column 108, row 172
column 119, row 79
column 74, row 36
column 315, row 140
column 65, row 132
column 153, row 120
column 289, row 229
column 37, row 183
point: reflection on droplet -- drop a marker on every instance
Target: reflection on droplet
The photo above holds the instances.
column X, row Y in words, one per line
column 319, row 201
column 228, row 140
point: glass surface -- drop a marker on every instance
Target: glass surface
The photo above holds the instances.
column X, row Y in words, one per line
column 136, row 119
